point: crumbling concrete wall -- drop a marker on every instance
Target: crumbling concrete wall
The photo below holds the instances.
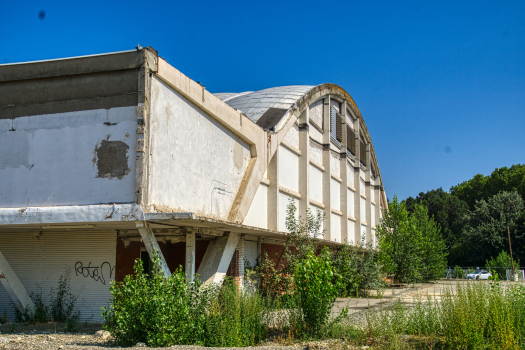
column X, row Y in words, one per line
column 196, row 164
column 73, row 158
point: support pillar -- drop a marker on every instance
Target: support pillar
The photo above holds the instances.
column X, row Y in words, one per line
column 217, row 258
column 152, row 246
column 14, row 286
column 190, row 256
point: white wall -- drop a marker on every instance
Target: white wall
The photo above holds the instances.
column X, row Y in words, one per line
column 373, row 214
column 283, row 206
column 39, row 263
column 52, row 159
column 314, row 209
column 362, row 187
column 350, row 175
column 292, row 136
column 362, row 202
column 316, row 154
column 351, row 232
column 335, row 194
column 288, row 168
column 335, row 228
column 335, row 165
column 350, row 203
column 250, row 252
column 362, row 234
column 258, row 213
column 196, row 164
column 315, row 178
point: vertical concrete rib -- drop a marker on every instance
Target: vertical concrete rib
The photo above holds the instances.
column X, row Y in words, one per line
column 273, row 192
column 344, row 177
column 357, row 183
column 304, row 162
column 327, row 172
column 368, row 194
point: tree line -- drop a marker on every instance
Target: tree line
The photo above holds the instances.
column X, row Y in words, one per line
column 474, row 215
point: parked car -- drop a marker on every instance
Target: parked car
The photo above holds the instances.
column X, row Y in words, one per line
column 472, row 275
column 479, row 275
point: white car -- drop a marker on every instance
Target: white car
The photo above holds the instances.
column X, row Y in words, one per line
column 479, row 275
column 472, row 275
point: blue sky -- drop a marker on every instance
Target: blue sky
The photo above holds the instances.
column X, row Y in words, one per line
column 441, row 84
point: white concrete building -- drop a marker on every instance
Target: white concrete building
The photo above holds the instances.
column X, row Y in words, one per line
column 105, row 158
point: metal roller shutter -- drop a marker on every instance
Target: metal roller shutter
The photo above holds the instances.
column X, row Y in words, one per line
column 40, row 261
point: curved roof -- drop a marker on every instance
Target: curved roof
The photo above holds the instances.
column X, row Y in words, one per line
column 256, row 103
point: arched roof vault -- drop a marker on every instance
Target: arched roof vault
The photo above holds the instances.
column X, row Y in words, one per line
column 295, row 100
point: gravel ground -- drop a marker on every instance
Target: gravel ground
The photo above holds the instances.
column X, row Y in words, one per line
column 90, row 342
column 51, row 336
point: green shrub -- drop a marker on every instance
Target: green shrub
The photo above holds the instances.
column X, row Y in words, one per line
column 501, row 264
column 359, row 270
column 158, row 311
column 235, row 317
column 459, row 272
column 317, row 290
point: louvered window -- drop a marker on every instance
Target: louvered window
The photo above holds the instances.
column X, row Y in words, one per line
column 350, row 140
column 336, row 126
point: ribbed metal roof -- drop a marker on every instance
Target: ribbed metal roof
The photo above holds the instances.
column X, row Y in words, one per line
column 255, row 103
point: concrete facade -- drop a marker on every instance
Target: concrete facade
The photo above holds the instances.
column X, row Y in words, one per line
column 124, row 145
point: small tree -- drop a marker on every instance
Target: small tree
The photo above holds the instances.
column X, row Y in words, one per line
column 317, row 289
column 304, row 233
column 400, row 244
column 434, row 262
column 360, row 269
column 501, row 263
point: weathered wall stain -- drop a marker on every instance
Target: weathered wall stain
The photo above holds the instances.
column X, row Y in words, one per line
column 112, row 159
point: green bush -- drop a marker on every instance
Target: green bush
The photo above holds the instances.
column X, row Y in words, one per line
column 502, row 263
column 459, row 272
column 157, row 311
column 235, row 317
column 359, row 270
column 317, row 290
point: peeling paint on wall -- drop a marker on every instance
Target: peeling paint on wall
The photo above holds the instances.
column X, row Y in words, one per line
column 112, row 159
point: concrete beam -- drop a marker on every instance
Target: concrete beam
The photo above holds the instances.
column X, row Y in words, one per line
column 152, row 245
column 217, row 258
column 14, row 286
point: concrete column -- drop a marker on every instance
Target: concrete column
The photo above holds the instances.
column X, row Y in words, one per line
column 217, row 258
column 14, row 287
column 240, row 262
column 326, row 173
column 152, row 245
column 273, row 192
column 344, row 178
column 190, row 256
column 368, row 196
column 357, row 183
column 304, row 163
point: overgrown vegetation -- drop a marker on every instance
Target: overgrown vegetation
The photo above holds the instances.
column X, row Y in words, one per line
column 410, row 244
column 474, row 316
column 359, row 269
column 62, row 306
